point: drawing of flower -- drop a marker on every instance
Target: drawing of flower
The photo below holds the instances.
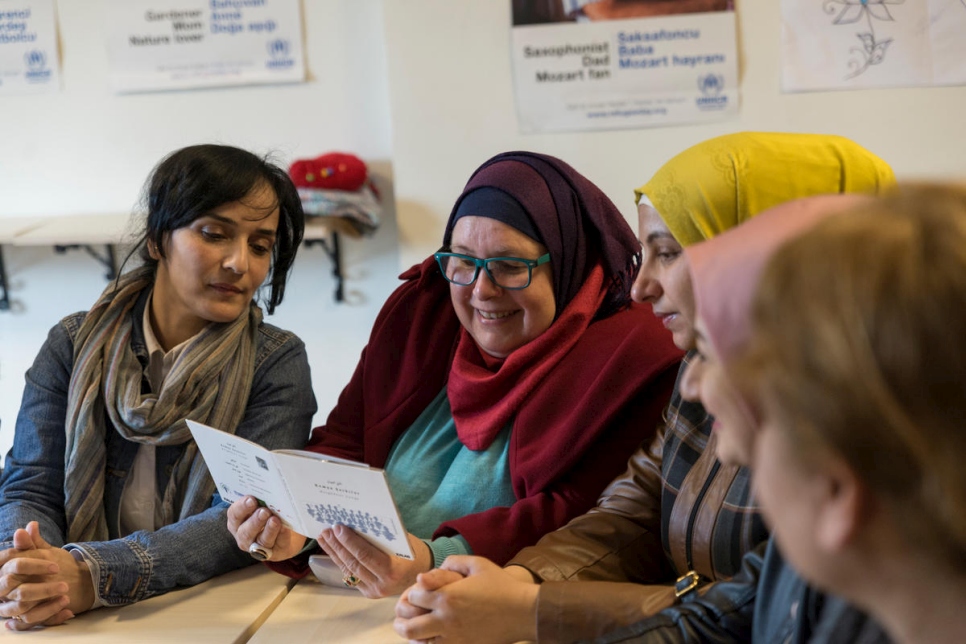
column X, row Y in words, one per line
column 873, row 51
column 854, row 10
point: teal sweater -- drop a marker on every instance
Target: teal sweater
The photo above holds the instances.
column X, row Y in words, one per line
column 435, row 478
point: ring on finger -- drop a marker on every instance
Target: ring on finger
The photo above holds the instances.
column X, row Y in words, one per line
column 18, row 618
column 259, row 552
column 350, row 580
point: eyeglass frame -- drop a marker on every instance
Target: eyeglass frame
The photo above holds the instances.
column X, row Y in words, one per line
column 484, row 264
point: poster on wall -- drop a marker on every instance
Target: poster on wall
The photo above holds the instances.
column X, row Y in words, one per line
column 606, row 64
column 28, row 47
column 182, row 44
column 854, row 44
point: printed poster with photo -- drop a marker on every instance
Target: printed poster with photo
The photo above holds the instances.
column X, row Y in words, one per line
column 607, row 64
column 182, row 44
column 854, row 44
column 28, row 47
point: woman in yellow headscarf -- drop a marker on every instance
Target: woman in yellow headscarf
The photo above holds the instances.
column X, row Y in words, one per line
column 717, row 184
column 678, row 519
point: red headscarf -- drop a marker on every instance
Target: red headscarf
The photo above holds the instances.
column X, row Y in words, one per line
column 594, row 255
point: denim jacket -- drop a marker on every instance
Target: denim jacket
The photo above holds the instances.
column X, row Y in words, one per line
column 765, row 603
column 145, row 563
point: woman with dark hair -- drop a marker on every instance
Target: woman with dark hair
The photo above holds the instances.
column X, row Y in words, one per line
column 105, row 499
column 505, row 382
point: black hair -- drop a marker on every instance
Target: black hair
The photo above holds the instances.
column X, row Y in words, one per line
column 193, row 181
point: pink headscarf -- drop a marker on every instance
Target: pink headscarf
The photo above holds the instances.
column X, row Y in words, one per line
column 726, row 269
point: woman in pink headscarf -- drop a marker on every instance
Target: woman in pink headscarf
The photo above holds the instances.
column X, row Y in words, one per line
column 767, row 601
column 856, row 367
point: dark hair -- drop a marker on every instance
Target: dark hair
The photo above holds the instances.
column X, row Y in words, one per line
column 191, row 182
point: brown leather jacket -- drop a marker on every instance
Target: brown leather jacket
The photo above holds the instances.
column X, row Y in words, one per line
column 675, row 509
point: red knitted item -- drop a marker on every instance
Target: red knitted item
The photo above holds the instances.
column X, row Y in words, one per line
column 331, row 171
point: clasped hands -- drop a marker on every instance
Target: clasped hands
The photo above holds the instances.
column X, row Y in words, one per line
column 468, row 600
column 379, row 574
column 41, row 584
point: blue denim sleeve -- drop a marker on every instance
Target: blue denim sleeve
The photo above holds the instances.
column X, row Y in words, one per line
column 143, row 564
column 725, row 613
column 32, row 486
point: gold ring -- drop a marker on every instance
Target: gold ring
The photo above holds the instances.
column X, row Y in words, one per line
column 350, row 581
column 18, row 618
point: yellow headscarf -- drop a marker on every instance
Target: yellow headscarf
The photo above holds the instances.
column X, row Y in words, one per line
column 716, row 185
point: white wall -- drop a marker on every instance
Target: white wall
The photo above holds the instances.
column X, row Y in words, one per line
column 449, row 88
column 452, row 106
column 87, row 150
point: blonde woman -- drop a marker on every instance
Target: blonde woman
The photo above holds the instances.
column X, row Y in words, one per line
column 859, row 459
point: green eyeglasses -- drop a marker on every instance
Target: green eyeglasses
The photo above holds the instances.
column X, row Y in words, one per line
column 513, row 273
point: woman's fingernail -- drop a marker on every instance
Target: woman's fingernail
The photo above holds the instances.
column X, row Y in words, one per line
column 250, row 503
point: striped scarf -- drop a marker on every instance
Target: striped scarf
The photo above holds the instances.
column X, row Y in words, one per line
column 210, row 383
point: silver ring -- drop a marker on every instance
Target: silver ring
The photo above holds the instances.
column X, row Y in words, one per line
column 259, row 552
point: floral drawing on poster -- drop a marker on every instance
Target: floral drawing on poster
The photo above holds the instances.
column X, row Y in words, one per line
column 852, row 44
column 873, row 50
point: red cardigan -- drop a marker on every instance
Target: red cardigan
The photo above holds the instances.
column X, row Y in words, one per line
column 569, row 440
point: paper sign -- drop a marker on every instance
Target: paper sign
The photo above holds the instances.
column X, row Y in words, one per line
column 178, row 44
column 633, row 72
column 28, row 47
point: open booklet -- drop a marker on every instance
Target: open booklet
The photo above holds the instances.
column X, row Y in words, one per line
column 309, row 492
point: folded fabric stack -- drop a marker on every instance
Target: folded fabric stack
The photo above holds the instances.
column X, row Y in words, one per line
column 360, row 207
column 337, row 185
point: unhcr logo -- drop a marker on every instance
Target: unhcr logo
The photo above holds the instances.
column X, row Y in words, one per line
column 37, row 70
column 711, row 86
column 278, row 50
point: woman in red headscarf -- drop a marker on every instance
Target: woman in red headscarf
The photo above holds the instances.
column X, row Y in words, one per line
column 505, row 383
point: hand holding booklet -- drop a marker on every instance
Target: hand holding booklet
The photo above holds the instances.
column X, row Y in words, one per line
column 307, row 491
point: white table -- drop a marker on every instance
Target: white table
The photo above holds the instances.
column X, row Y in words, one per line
column 68, row 231
column 110, row 229
column 314, row 613
column 11, row 227
column 82, row 229
column 223, row 610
